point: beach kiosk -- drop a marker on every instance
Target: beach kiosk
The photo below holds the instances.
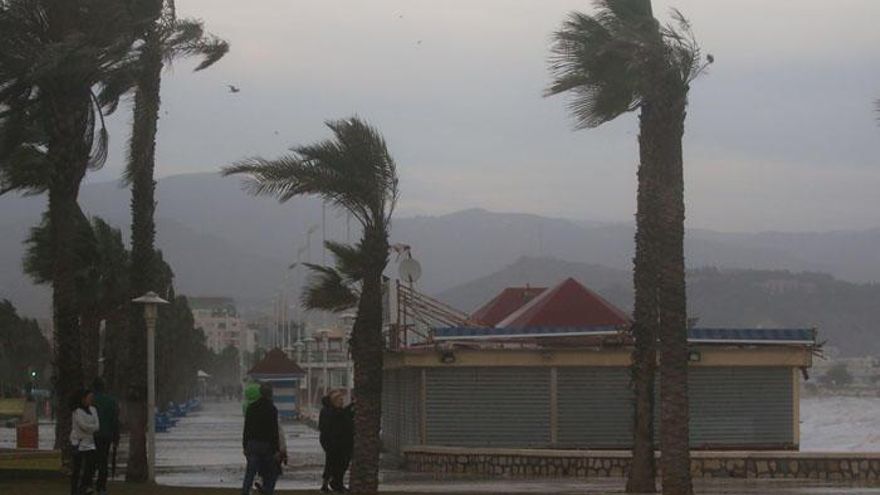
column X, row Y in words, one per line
column 285, row 376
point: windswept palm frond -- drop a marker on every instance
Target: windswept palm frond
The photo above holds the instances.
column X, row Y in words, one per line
column 182, row 38
column 39, row 255
column 597, row 65
column 350, row 260
column 605, row 61
column 336, row 288
column 32, row 61
column 354, row 171
column 327, row 290
column 683, row 50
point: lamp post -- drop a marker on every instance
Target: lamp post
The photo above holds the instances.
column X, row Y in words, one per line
column 309, row 341
column 151, row 302
column 325, row 346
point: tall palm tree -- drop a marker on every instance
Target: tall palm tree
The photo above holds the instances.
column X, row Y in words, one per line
column 57, row 61
column 165, row 38
column 353, row 171
column 618, row 60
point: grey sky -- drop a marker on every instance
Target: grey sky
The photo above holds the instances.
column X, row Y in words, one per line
column 780, row 135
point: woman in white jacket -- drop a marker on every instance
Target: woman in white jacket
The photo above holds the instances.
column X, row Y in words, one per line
column 82, row 442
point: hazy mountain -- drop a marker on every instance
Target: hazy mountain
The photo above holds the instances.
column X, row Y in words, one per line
column 846, row 314
column 220, row 241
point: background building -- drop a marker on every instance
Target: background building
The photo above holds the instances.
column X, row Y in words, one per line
column 219, row 320
column 553, row 372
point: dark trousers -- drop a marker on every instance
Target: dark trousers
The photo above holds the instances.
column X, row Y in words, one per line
column 337, row 462
column 82, row 471
column 102, row 459
column 327, row 462
column 260, row 459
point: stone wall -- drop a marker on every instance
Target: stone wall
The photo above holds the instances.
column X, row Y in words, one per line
column 536, row 463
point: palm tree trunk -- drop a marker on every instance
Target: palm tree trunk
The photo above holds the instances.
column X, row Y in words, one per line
column 666, row 120
column 90, row 342
column 67, row 372
column 642, row 473
column 367, row 353
column 143, row 229
column 68, row 102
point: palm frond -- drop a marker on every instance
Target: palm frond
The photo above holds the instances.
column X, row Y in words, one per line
column 187, row 38
column 350, row 260
column 597, row 60
column 684, row 51
column 353, row 171
column 607, row 62
column 326, row 290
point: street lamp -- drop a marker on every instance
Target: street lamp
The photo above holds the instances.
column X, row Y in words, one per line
column 325, row 346
column 309, row 341
column 151, row 302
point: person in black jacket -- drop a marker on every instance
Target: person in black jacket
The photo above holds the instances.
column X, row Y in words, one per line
column 261, row 442
column 337, row 438
column 326, row 411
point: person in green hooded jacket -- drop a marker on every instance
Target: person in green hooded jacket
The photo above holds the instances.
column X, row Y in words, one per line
column 251, row 395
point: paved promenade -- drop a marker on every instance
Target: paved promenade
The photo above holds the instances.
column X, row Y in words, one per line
column 204, row 449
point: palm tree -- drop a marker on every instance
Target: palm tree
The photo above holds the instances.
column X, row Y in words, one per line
column 355, row 172
column 618, row 60
column 101, row 278
column 165, row 38
column 61, row 66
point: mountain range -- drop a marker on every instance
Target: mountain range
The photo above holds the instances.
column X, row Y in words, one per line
column 220, row 241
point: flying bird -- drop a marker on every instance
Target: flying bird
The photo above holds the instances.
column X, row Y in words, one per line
column 233, row 89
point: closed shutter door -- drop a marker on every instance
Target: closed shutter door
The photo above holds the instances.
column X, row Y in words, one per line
column 391, row 413
column 739, row 406
column 595, row 407
column 488, row 407
column 411, row 407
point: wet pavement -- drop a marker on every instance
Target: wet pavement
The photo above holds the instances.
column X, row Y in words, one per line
column 204, row 449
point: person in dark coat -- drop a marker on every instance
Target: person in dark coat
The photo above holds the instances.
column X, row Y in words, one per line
column 261, row 442
column 107, row 435
column 337, row 438
column 323, row 418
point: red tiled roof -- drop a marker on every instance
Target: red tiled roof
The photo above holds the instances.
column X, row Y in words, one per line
column 505, row 303
column 276, row 363
column 569, row 304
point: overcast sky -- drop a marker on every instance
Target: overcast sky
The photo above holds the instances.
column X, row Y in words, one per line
column 781, row 135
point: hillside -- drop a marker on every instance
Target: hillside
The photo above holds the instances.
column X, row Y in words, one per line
column 846, row 314
column 223, row 242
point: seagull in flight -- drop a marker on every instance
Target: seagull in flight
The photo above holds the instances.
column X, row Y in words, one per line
column 233, row 89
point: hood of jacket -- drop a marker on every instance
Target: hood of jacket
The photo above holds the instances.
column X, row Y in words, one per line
column 251, row 394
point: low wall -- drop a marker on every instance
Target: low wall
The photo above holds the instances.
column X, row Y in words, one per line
column 536, row 463
column 26, row 462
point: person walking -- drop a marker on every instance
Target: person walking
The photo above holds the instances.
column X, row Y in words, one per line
column 84, row 424
column 337, row 438
column 108, row 433
column 261, row 442
column 251, row 395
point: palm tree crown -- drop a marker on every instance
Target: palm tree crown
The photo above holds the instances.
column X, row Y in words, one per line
column 605, row 60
